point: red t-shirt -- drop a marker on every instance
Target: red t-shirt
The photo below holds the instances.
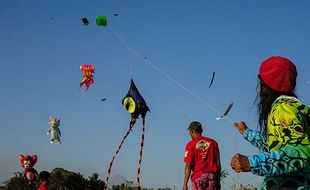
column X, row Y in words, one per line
column 42, row 187
column 203, row 154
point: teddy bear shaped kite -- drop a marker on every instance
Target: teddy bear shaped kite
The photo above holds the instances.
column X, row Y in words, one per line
column 27, row 162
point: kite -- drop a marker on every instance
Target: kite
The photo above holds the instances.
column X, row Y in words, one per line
column 88, row 71
column 133, row 103
column 226, row 111
column 85, row 21
column 211, row 82
column 115, row 14
column 102, row 20
column 54, row 130
column 30, row 174
column 103, row 99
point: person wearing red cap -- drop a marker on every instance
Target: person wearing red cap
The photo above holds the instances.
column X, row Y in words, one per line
column 284, row 129
column 202, row 159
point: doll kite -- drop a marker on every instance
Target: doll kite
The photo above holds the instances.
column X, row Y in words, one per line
column 88, row 71
column 30, row 174
column 134, row 103
column 54, row 130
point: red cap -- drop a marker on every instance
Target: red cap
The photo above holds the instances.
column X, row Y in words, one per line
column 279, row 74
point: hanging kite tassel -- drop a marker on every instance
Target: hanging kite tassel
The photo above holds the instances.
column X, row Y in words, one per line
column 141, row 151
column 132, row 122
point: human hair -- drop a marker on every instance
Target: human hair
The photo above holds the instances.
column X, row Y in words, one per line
column 197, row 130
column 44, row 175
column 196, row 127
column 264, row 98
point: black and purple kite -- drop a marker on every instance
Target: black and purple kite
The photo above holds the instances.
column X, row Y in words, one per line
column 134, row 103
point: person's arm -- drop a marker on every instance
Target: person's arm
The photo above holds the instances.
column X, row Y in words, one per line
column 286, row 160
column 187, row 173
column 254, row 137
column 219, row 171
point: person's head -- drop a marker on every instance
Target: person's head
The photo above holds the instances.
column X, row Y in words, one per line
column 44, row 176
column 277, row 76
column 195, row 129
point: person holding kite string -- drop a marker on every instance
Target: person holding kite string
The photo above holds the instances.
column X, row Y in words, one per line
column 283, row 135
column 202, row 159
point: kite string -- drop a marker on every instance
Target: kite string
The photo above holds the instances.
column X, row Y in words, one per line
column 166, row 75
column 95, row 7
column 177, row 83
column 159, row 70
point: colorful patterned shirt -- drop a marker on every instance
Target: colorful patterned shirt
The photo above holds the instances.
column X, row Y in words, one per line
column 285, row 162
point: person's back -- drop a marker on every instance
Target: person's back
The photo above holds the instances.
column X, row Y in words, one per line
column 202, row 152
column 202, row 159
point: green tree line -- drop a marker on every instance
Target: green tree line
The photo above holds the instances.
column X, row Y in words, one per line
column 62, row 179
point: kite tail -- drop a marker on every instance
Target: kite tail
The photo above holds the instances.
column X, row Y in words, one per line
column 141, row 150
column 132, row 122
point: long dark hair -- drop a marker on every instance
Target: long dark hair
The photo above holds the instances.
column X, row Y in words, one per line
column 264, row 99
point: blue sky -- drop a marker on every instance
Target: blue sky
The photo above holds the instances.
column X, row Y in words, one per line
column 43, row 43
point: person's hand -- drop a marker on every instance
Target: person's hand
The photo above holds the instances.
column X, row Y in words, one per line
column 240, row 163
column 241, row 126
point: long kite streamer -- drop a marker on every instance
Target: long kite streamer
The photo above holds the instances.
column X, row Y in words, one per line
column 134, row 103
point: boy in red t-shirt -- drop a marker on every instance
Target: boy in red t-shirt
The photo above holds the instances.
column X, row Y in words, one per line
column 44, row 178
column 202, row 159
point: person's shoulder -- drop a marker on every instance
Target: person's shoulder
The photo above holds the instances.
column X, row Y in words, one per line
column 289, row 100
column 287, row 104
column 191, row 142
column 210, row 139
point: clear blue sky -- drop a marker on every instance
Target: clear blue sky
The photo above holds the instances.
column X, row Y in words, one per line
column 43, row 43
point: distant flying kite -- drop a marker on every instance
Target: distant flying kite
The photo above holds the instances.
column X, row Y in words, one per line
column 88, row 79
column 54, row 130
column 226, row 111
column 85, row 21
column 211, row 82
column 102, row 20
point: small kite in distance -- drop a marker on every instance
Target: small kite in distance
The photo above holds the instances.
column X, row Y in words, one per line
column 211, row 82
column 85, row 21
column 115, row 14
column 103, row 99
column 102, row 20
column 88, row 78
column 226, row 111
column 54, row 130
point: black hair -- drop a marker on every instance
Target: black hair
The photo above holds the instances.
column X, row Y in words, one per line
column 264, row 99
column 196, row 127
column 44, row 175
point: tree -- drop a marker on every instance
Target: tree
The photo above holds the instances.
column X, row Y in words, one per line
column 17, row 182
column 93, row 183
column 65, row 180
